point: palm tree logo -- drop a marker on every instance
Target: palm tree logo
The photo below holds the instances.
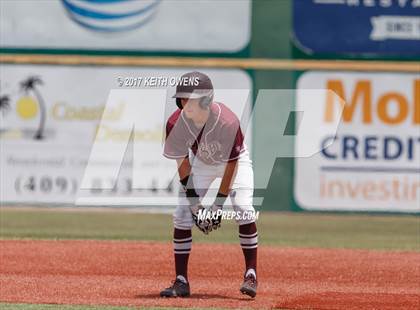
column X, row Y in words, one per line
column 30, row 85
column 4, row 107
column 4, row 103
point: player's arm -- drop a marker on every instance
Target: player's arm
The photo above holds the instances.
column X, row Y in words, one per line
column 185, row 178
column 184, row 167
column 232, row 152
column 233, row 146
column 184, row 171
column 228, row 176
column 223, row 193
column 175, row 148
column 226, row 183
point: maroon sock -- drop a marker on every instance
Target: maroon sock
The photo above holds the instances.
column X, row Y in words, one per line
column 248, row 237
column 182, row 248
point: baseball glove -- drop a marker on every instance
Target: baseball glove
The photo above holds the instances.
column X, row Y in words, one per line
column 216, row 210
column 199, row 213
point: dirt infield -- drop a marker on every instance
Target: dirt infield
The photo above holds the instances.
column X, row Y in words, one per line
column 132, row 274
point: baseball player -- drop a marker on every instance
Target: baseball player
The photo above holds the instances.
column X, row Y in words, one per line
column 205, row 139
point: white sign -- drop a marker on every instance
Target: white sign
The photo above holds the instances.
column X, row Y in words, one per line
column 143, row 25
column 395, row 27
column 48, row 128
column 373, row 163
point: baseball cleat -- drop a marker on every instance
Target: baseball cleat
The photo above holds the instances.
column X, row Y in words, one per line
column 249, row 287
column 178, row 289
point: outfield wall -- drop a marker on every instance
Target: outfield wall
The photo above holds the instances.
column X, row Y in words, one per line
column 261, row 30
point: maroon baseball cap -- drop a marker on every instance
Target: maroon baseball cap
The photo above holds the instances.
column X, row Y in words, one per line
column 194, row 85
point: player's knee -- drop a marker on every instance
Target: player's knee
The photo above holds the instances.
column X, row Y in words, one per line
column 249, row 228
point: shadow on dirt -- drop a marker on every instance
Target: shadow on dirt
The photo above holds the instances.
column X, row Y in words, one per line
column 195, row 296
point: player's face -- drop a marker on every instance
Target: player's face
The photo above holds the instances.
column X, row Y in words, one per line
column 191, row 107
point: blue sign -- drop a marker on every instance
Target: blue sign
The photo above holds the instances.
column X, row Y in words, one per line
column 111, row 15
column 378, row 27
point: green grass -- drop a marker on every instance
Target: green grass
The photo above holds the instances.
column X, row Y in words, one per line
column 60, row 307
column 386, row 232
column 7, row 306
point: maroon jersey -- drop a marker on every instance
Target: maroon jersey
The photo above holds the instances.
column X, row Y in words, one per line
column 220, row 140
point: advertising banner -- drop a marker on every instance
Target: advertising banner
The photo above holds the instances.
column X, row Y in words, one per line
column 378, row 27
column 50, row 118
column 373, row 163
column 144, row 25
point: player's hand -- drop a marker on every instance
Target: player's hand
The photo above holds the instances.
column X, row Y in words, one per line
column 216, row 210
column 216, row 218
column 205, row 224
